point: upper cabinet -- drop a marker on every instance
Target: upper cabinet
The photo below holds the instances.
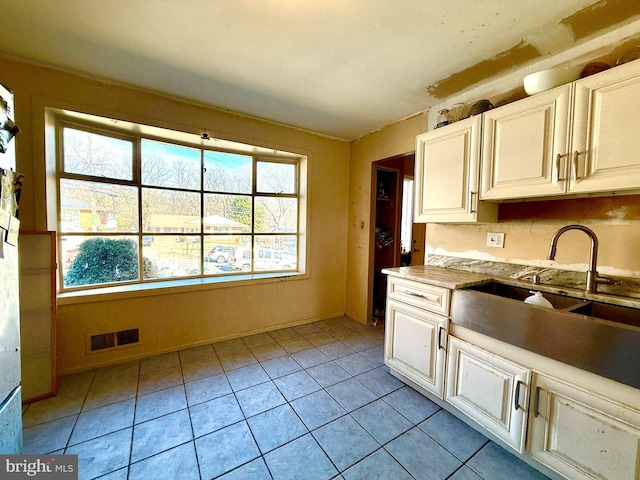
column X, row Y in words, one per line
column 524, row 145
column 576, row 139
column 447, row 175
column 605, row 141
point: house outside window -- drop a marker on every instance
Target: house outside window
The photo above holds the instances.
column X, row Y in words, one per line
column 133, row 209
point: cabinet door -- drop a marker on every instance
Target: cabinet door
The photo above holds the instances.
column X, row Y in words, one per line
column 489, row 389
column 581, row 435
column 415, row 343
column 605, row 142
column 447, row 174
column 524, row 147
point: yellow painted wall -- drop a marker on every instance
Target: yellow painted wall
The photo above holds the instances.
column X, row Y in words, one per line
column 615, row 221
column 176, row 320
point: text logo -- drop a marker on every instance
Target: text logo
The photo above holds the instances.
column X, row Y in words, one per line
column 50, row 467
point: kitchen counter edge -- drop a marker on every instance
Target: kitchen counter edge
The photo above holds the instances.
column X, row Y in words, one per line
column 455, row 279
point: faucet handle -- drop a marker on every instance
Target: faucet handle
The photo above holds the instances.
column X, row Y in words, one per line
column 607, row 281
column 536, row 279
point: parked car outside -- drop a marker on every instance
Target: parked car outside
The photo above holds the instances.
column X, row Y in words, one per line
column 266, row 259
column 220, row 254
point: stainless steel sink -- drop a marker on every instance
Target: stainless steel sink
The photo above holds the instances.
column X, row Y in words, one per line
column 520, row 293
column 595, row 336
column 590, row 308
column 613, row 313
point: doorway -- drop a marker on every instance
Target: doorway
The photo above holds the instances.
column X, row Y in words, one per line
column 393, row 241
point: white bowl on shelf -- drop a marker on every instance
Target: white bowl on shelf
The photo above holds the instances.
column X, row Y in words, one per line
column 547, row 79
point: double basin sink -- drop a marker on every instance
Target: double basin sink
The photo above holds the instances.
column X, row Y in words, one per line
column 595, row 336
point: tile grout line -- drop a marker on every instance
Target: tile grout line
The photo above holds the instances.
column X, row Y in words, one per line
column 225, row 371
column 193, row 432
column 288, row 403
column 84, row 400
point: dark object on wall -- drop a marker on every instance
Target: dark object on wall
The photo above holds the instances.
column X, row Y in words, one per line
column 405, row 258
column 8, row 129
column 10, row 190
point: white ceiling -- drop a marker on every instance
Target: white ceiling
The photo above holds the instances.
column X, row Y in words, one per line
column 337, row 67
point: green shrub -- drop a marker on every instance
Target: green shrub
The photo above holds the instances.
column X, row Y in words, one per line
column 103, row 260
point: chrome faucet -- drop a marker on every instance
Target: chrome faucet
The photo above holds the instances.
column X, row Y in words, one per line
column 592, row 274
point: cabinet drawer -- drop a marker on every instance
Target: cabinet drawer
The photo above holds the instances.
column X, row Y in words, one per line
column 421, row 295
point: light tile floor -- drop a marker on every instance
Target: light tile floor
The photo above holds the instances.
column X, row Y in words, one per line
column 308, row 402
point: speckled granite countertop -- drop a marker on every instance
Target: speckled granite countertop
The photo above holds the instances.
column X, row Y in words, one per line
column 440, row 276
column 456, row 273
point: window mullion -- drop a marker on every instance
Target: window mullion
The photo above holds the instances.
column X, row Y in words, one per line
column 137, row 166
column 254, row 192
column 202, row 211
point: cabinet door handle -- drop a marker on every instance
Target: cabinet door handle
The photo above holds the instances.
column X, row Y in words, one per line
column 471, row 194
column 430, row 298
column 414, row 294
column 536, row 402
column 440, row 330
column 516, row 401
column 574, row 165
column 558, row 161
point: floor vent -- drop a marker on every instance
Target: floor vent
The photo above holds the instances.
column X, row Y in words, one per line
column 114, row 339
column 125, row 337
column 102, row 341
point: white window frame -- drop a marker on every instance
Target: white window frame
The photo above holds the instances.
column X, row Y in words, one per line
column 58, row 119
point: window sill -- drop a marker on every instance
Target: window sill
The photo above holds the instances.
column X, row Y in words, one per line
column 172, row 287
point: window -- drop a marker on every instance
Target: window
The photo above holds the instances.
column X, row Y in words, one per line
column 138, row 209
column 406, row 227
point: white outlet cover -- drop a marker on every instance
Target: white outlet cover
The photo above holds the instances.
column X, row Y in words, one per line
column 495, row 240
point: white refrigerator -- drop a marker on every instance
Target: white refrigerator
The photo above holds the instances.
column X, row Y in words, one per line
column 10, row 391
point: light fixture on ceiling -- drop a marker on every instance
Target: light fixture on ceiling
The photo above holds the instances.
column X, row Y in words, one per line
column 205, row 136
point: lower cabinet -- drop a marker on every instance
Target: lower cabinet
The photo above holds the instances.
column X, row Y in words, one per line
column 572, row 431
column 489, row 389
column 581, row 435
column 415, row 343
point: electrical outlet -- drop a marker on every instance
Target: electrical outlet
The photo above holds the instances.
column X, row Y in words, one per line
column 495, row 240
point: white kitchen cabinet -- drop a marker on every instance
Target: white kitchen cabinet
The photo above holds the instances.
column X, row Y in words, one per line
column 605, row 141
column 489, row 389
column 524, row 146
column 447, row 175
column 415, row 341
column 578, row 139
column 582, row 435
